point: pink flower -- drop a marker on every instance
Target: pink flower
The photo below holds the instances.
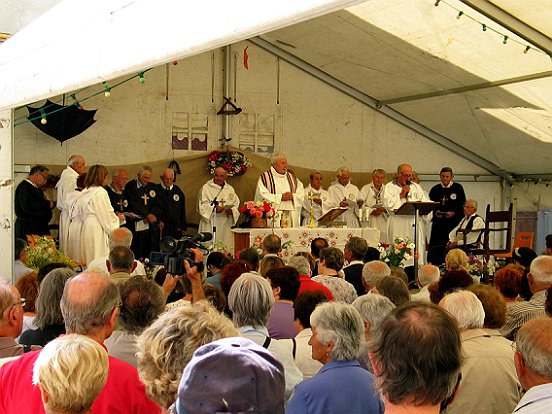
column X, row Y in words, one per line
column 259, row 214
column 250, row 205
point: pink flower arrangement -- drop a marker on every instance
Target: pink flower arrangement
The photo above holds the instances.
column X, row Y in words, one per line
column 258, row 209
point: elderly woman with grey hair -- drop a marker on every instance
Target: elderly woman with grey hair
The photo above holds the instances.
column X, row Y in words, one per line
column 49, row 320
column 489, row 383
column 373, row 309
column 251, row 300
column 341, row 385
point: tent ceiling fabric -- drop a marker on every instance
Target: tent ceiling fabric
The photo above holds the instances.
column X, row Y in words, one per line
column 445, row 73
column 77, row 44
column 530, row 13
column 409, row 56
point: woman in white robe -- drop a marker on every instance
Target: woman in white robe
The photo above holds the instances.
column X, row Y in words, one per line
column 75, row 220
column 99, row 219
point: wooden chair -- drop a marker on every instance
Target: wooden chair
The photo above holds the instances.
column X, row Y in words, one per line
column 522, row 239
column 496, row 222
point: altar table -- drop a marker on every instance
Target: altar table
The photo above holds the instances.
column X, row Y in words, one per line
column 300, row 238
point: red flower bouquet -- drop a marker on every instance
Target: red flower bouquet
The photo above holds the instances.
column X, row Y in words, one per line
column 260, row 209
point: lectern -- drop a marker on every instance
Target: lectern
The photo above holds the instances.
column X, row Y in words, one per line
column 416, row 208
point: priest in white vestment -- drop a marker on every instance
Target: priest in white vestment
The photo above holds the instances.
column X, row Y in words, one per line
column 316, row 197
column 67, row 185
column 395, row 194
column 344, row 194
column 284, row 191
column 226, row 206
column 373, row 213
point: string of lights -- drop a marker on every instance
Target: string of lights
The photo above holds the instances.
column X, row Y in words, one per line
column 78, row 101
column 525, row 47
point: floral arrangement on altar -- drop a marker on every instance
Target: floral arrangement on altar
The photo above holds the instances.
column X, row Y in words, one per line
column 477, row 267
column 260, row 209
column 258, row 243
column 45, row 252
column 234, row 163
column 219, row 246
column 397, row 252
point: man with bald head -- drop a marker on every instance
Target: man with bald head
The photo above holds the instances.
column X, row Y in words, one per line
column 119, row 178
column 534, row 371
column 280, row 187
column 174, row 206
column 90, row 305
column 395, row 194
column 66, row 189
column 219, row 197
column 11, row 320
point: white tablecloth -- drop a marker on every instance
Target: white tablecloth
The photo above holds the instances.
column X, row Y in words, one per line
column 298, row 239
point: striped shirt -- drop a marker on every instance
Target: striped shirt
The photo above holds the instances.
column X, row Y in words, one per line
column 521, row 312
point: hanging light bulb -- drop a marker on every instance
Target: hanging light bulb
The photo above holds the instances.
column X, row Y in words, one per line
column 107, row 89
column 484, row 27
column 460, row 13
column 437, row 3
column 527, row 49
column 141, row 77
column 76, row 101
column 505, row 40
column 43, row 121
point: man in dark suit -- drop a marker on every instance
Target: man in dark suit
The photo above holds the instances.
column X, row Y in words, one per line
column 174, row 206
column 32, row 208
column 354, row 252
column 145, row 202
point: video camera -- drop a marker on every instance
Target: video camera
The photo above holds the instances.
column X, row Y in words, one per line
column 175, row 251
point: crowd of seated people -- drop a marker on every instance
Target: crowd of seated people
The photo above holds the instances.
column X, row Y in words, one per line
column 313, row 344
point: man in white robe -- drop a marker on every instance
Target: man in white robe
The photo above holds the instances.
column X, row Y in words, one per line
column 345, row 194
column 219, row 195
column 395, row 194
column 373, row 213
column 67, row 185
column 316, row 197
column 284, row 191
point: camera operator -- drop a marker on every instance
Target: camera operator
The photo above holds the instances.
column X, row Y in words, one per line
column 194, row 276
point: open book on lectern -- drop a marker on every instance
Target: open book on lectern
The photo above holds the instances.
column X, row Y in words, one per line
column 331, row 215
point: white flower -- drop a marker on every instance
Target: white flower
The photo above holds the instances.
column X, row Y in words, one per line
column 410, row 245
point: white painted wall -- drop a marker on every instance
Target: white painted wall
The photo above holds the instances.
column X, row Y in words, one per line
column 315, row 125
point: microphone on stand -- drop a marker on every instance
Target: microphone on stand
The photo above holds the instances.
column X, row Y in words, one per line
column 408, row 182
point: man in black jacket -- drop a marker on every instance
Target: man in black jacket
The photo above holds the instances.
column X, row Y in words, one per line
column 32, row 208
column 145, row 202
